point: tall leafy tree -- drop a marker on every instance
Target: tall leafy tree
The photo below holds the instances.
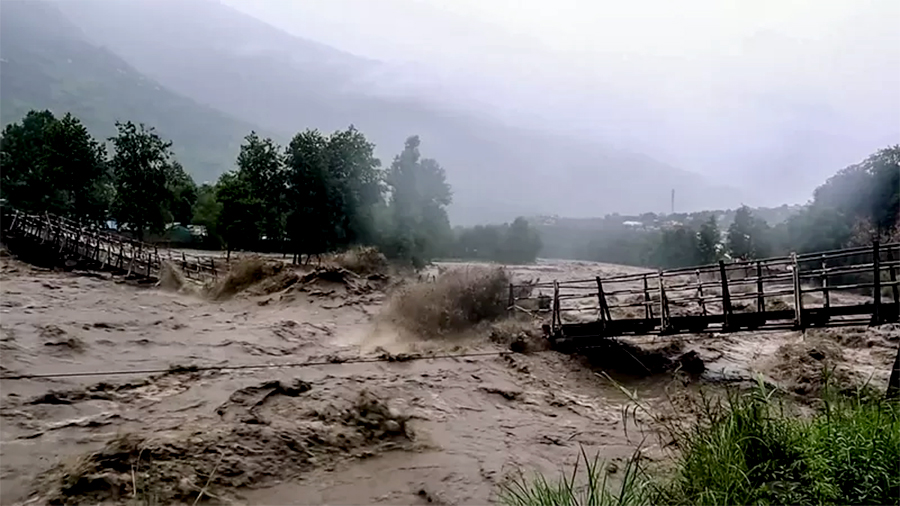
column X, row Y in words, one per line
column 253, row 197
column 419, row 196
column 354, row 181
column 22, row 151
column 206, row 212
column 747, row 236
column 708, row 241
column 677, row 247
column 310, row 219
column 183, row 193
column 240, row 220
column 54, row 165
column 521, row 242
column 884, row 196
column 142, row 168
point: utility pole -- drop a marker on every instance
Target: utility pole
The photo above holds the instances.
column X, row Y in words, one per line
column 673, row 201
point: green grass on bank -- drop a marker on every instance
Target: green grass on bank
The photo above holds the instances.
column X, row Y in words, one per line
column 750, row 449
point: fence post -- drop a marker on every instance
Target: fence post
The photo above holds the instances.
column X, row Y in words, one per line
column 511, row 301
column 798, row 292
column 876, row 285
column 760, row 296
column 648, row 308
column 726, row 297
column 700, row 293
column 895, row 290
column 825, row 293
column 893, row 389
column 663, row 305
column 556, row 318
column 601, row 299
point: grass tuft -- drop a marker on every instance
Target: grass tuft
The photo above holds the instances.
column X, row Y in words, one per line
column 753, row 448
column 594, row 488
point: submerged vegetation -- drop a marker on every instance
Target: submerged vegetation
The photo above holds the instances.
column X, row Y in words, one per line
column 751, row 448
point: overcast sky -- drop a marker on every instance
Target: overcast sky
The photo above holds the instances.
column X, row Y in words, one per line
column 742, row 91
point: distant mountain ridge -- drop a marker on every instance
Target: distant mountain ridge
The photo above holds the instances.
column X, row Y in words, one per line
column 46, row 63
column 218, row 59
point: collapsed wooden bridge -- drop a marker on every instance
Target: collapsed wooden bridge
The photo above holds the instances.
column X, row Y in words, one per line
column 851, row 286
column 57, row 238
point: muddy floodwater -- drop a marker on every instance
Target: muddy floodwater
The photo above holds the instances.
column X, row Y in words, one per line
column 395, row 431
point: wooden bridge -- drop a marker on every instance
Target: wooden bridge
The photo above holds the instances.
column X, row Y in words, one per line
column 58, row 238
column 851, row 286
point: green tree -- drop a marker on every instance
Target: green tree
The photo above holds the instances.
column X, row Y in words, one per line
column 310, row 219
column 54, row 165
column 677, row 247
column 240, row 220
column 747, row 236
column 261, row 164
column 354, row 182
column 183, row 193
column 521, row 243
column 884, row 195
column 708, row 241
column 207, row 209
column 142, row 168
column 253, row 198
column 419, row 194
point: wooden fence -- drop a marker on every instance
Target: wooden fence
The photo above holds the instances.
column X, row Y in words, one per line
column 842, row 287
column 106, row 249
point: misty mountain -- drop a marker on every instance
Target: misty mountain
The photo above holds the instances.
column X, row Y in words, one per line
column 231, row 62
column 47, row 63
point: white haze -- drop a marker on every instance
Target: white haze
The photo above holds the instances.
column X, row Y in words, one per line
column 769, row 95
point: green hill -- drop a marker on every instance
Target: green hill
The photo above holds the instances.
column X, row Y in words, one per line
column 46, row 62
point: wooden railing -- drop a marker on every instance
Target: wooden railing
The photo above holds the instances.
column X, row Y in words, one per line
column 107, row 249
column 853, row 285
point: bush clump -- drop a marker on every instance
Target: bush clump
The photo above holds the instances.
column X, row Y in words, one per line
column 362, row 260
column 457, row 300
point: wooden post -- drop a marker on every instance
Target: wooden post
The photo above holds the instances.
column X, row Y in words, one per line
column 876, row 285
column 798, row 293
column 648, row 308
column 601, row 299
column 56, row 236
column 700, row 293
column 893, row 389
column 663, row 305
column 825, row 293
column 895, row 290
column 760, row 296
column 556, row 319
column 511, row 302
column 726, row 297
